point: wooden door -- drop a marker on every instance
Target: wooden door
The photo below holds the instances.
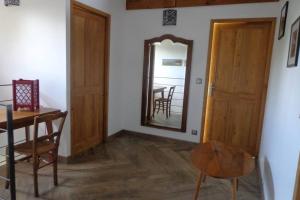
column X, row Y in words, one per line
column 89, row 47
column 237, row 84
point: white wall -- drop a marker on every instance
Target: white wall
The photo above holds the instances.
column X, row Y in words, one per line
column 193, row 24
column 33, row 46
column 35, row 40
column 281, row 133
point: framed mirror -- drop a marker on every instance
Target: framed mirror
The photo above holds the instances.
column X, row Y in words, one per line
column 166, row 81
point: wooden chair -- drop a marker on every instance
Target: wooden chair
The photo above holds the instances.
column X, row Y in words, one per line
column 43, row 148
column 165, row 103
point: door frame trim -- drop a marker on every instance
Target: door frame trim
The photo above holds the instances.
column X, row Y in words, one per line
column 297, row 183
column 271, row 20
column 84, row 7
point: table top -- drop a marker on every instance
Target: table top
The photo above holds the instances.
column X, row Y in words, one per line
column 218, row 160
column 22, row 116
column 159, row 89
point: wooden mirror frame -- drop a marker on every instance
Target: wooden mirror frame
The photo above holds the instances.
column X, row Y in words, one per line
column 148, row 80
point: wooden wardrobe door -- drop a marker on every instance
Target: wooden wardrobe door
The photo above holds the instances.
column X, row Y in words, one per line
column 137, row 4
column 237, row 85
column 161, row 3
column 144, row 4
column 88, row 81
column 185, row 3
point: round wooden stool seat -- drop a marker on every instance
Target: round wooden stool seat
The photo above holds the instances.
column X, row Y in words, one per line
column 218, row 160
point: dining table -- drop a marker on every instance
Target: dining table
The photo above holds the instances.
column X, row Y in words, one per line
column 24, row 119
column 159, row 89
column 17, row 120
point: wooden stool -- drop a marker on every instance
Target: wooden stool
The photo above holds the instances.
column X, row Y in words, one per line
column 218, row 160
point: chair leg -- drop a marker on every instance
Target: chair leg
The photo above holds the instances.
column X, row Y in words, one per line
column 154, row 108
column 35, row 177
column 7, row 168
column 234, row 188
column 55, row 173
column 204, row 179
column 167, row 110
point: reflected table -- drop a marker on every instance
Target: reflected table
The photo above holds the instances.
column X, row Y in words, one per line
column 159, row 90
column 218, row 160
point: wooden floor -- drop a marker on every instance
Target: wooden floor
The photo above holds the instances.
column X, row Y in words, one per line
column 131, row 167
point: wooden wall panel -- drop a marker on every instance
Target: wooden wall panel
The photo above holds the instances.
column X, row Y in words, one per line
column 188, row 3
column 161, row 3
column 145, row 4
column 149, row 4
column 136, row 4
column 223, row 2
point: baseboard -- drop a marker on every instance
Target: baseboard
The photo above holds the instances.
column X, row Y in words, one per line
column 74, row 159
column 113, row 136
column 260, row 180
column 154, row 136
column 297, row 183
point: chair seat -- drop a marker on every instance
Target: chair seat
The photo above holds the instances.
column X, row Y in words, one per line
column 162, row 99
column 42, row 147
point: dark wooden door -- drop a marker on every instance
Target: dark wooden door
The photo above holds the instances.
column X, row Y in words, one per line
column 184, row 3
column 88, row 77
column 238, row 78
column 145, row 4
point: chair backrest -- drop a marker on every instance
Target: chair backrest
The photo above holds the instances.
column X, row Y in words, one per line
column 171, row 92
column 52, row 136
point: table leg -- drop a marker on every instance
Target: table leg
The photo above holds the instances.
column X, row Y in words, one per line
column 234, row 188
column 27, row 137
column 27, row 133
column 199, row 180
column 204, row 179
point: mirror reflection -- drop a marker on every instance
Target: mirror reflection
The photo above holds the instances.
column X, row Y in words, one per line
column 166, row 82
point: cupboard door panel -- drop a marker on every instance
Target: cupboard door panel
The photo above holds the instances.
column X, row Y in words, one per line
column 161, row 3
column 221, row 2
column 187, row 3
column 136, row 4
column 148, row 4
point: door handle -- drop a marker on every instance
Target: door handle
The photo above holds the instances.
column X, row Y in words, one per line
column 211, row 89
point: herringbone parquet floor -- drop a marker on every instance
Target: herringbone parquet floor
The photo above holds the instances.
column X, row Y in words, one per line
column 131, row 167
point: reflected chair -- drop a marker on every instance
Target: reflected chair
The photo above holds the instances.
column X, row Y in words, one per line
column 43, row 150
column 165, row 103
